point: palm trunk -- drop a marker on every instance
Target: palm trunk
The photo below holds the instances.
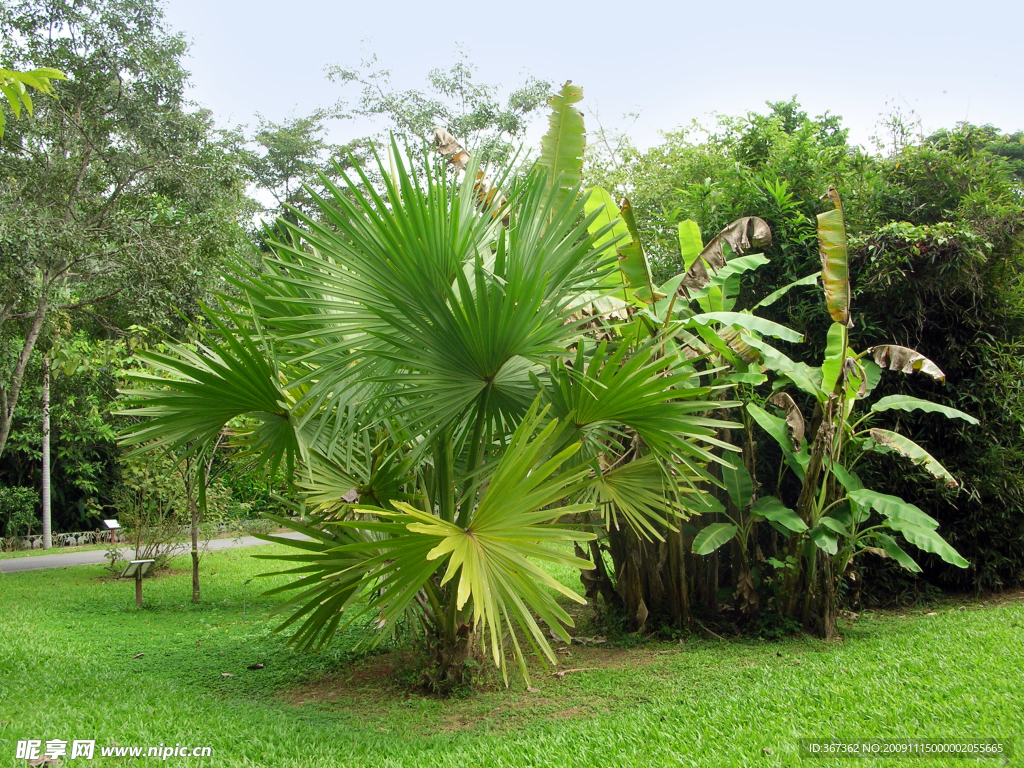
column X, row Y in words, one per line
column 453, row 645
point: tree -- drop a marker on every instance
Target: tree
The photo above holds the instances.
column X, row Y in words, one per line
column 118, row 200
column 453, row 101
column 283, row 157
column 447, row 400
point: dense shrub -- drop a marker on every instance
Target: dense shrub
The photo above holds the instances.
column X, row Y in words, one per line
column 18, row 511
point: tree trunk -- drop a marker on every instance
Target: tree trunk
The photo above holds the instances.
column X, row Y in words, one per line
column 597, row 582
column 678, row 582
column 448, row 671
column 45, row 494
column 9, row 395
column 195, row 552
column 199, row 481
column 710, row 596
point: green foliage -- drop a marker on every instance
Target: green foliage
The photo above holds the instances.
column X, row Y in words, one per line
column 18, row 511
column 713, row 536
column 934, row 258
column 140, row 198
column 15, row 86
column 562, row 146
column 454, row 100
column 281, row 158
column 84, row 454
column 942, row 277
column 121, row 201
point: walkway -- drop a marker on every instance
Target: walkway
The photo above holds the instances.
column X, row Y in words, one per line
column 96, row 556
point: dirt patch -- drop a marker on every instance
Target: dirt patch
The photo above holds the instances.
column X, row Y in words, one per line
column 1007, row 597
column 365, row 685
column 376, row 689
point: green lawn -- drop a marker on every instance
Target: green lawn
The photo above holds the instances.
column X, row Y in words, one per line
column 67, row 638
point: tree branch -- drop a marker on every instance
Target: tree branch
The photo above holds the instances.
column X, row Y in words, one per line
column 11, row 401
column 77, row 305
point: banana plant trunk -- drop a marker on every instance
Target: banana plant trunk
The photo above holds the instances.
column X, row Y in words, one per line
column 652, row 578
column 820, row 608
column 814, row 581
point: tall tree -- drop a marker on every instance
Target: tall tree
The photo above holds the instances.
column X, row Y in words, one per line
column 118, row 197
column 283, row 157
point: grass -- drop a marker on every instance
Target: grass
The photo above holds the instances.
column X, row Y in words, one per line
column 67, row 638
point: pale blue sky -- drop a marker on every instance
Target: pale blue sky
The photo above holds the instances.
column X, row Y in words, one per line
column 671, row 62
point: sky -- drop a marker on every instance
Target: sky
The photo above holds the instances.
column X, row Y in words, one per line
column 671, row 62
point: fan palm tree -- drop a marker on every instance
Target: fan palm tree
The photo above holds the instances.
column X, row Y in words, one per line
column 426, row 362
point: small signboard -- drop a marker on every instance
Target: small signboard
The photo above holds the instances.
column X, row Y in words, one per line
column 137, row 568
column 112, row 524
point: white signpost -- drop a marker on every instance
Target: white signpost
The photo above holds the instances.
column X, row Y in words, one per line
column 114, row 527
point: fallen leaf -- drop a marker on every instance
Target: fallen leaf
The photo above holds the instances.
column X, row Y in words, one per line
column 138, row 655
column 226, row 674
column 532, row 689
column 933, row 613
column 767, row 751
column 255, row 666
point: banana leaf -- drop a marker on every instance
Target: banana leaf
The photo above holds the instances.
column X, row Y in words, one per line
column 835, row 270
column 905, row 360
column 562, row 146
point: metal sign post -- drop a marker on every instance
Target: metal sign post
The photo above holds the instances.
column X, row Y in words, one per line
column 138, row 569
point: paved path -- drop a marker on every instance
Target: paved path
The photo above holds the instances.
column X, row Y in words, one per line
column 96, row 556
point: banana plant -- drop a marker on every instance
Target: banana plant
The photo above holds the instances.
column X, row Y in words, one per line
column 696, row 313
column 834, row 511
column 833, row 503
